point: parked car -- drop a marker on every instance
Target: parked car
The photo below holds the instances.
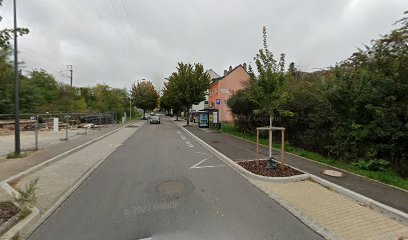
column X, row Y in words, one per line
column 154, row 119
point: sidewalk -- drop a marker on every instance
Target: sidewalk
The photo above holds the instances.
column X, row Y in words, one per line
column 56, row 178
column 329, row 213
column 10, row 167
column 240, row 150
column 27, row 139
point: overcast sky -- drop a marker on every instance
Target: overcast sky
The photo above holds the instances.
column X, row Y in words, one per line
column 120, row 41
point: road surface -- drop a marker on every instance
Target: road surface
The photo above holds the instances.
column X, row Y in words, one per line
column 161, row 184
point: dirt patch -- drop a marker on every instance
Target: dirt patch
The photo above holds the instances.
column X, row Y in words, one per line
column 5, row 132
column 7, row 211
column 280, row 171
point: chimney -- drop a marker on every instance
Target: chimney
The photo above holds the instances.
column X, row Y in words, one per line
column 230, row 69
column 244, row 66
column 225, row 73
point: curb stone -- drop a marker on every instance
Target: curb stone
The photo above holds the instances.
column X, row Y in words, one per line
column 242, row 171
column 327, row 165
column 60, row 156
column 389, row 211
column 27, row 225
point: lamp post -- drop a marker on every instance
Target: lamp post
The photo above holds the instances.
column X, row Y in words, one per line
column 17, row 149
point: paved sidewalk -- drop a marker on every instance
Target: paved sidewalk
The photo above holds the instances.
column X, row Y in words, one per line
column 56, row 178
column 238, row 150
column 342, row 218
column 10, row 167
column 27, row 139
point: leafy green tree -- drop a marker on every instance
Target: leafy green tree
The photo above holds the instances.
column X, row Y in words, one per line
column 144, row 96
column 6, row 83
column 269, row 88
column 6, row 34
column 170, row 99
column 189, row 85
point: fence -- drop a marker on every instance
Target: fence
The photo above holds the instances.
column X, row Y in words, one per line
column 39, row 129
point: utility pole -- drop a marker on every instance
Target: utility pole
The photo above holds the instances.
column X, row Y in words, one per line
column 17, row 149
column 70, row 70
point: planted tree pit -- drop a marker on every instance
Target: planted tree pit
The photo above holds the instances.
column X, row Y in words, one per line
column 261, row 168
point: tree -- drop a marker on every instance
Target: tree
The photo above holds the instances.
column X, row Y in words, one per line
column 189, row 85
column 144, row 96
column 6, row 34
column 170, row 99
column 269, row 88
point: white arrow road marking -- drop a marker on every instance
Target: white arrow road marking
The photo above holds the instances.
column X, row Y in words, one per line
column 196, row 166
column 183, row 137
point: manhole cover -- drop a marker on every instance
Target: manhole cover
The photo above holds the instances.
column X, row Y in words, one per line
column 333, row 173
column 170, row 187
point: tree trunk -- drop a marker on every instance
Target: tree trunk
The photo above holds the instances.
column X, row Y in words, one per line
column 188, row 116
column 144, row 114
column 270, row 136
column 176, row 116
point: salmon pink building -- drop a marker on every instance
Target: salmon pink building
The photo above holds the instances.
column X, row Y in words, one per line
column 223, row 87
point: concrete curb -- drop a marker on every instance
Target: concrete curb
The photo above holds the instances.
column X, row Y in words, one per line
column 325, row 233
column 21, row 226
column 60, row 156
column 242, row 171
column 380, row 207
column 377, row 206
column 26, row 226
column 63, row 197
column 327, row 165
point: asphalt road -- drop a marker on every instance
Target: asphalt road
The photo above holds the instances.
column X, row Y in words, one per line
column 161, row 184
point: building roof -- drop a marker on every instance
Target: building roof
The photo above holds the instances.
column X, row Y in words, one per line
column 220, row 78
column 212, row 74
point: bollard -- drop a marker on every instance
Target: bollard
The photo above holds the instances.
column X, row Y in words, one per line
column 66, row 131
column 37, row 126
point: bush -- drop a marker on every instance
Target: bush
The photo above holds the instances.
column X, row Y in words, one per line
column 372, row 165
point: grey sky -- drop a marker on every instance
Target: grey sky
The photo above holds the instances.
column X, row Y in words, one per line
column 120, row 41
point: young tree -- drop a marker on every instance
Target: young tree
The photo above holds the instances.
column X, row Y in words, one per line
column 269, row 87
column 189, row 85
column 144, row 96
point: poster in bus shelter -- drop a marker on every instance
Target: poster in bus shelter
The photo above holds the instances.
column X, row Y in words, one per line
column 203, row 120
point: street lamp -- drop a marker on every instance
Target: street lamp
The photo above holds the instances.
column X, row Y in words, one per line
column 17, row 149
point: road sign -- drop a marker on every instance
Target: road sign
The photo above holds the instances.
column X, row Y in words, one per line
column 218, row 101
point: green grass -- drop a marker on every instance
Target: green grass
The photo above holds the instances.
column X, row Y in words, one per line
column 14, row 155
column 388, row 177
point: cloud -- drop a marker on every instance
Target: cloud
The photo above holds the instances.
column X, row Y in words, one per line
column 120, row 41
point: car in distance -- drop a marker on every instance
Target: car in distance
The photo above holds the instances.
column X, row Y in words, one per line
column 155, row 119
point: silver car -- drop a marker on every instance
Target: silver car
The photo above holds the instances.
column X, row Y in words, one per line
column 154, row 120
